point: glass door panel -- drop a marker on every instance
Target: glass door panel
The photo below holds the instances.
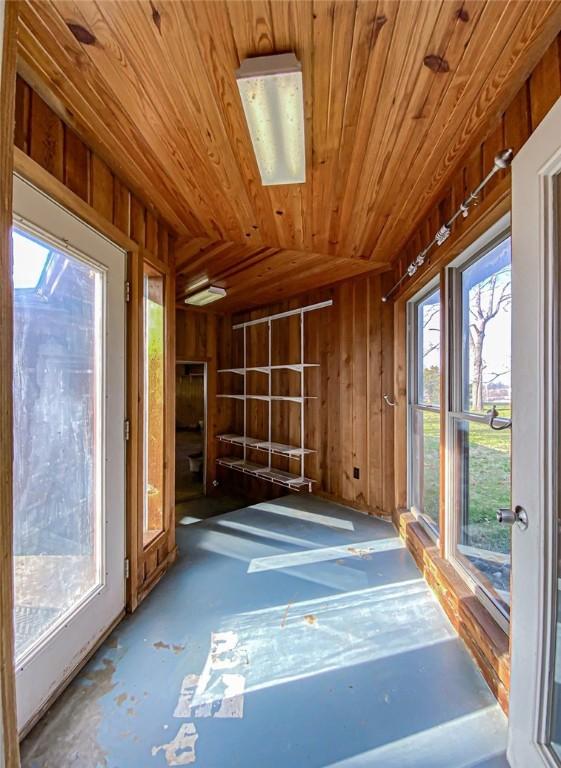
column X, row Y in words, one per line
column 154, row 374
column 58, row 436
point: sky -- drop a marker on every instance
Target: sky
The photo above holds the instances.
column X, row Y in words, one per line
column 29, row 259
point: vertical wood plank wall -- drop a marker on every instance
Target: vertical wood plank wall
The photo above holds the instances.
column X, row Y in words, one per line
column 196, row 339
column 52, row 145
column 9, row 748
column 349, row 424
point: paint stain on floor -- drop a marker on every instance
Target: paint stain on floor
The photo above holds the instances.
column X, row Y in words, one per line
column 218, row 667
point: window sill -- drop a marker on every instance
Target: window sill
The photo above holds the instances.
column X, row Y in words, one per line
column 484, row 638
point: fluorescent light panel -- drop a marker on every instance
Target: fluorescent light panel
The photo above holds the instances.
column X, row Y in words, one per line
column 206, row 296
column 272, row 97
column 197, row 283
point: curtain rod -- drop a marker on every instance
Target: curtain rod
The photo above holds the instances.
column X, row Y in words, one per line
column 502, row 160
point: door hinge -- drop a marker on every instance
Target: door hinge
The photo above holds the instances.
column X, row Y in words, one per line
column 127, row 291
column 127, row 568
column 127, row 429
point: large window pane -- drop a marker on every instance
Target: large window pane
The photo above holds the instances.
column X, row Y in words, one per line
column 482, row 465
column 486, row 306
column 154, row 357
column 428, row 350
column 58, row 400
column 425, row 448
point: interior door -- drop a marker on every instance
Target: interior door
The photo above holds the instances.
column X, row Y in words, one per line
column 535, row 699
column 69, row 451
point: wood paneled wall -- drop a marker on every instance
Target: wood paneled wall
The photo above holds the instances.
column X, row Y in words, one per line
column 196, row 340
column 349, row 424
column 43, row 136
column 54, row 157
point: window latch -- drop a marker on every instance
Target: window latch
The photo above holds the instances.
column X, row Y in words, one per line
column 493, row 415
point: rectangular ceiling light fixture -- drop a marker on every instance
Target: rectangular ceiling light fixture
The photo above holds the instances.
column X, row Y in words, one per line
column 273, row 102
column 206, row 296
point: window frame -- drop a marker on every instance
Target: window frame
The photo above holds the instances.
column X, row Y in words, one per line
column 413, row 404
column 455, row 366
column 150, row 536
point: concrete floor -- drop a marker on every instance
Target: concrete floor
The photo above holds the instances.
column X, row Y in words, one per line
column 294, row 634
column 203, row 507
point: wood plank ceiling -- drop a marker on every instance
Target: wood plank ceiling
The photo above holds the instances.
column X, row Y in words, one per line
column 395, row 94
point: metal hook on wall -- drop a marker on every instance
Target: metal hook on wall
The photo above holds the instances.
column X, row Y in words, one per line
column 494, row 414
column 390, row 401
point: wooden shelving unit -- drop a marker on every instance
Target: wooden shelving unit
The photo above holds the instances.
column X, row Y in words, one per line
column 269, row 447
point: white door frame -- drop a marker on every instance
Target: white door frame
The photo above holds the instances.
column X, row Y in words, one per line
column 535, row 361
column 42, row 674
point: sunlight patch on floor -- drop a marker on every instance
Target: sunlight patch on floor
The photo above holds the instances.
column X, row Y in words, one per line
column 362, row 549
column 308, row 638
column 309, row 517
column 442, row 746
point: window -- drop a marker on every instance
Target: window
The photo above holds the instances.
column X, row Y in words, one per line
column 154, row 380
column 58, row 428
column 479, row 456
column 424, row 411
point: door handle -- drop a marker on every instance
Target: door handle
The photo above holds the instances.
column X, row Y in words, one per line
column 518, row 516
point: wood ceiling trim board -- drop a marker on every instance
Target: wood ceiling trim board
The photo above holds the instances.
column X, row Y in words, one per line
column 407, row 71
column 115, row 66
column 290, row 269
column 186, row 251
column 214, row 35
column 233, row 260
column 333, row 29
column 462, row 89
column 252, row 30
column 450, row 40
column 87, row 123
column 241, row 267
column 521, row 53
column 214, row 134
column 369, row 21
column 395, row 34
column 209, row 253
column 54, row 77
column 293, row 30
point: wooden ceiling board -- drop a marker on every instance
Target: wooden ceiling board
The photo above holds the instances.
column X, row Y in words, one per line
column 254, row 276
column 396, row 94
column 488, row 89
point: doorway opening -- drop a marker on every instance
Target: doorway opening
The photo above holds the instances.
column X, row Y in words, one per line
column 190, row 431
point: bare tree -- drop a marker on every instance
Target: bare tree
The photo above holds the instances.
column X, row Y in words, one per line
column 485, row 303
column 429, row 313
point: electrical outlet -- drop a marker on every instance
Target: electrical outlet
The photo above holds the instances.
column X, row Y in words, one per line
column 356, row 473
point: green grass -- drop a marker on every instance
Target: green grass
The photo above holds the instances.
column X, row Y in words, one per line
column 487, row 479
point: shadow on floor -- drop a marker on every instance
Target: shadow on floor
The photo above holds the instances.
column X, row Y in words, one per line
column 295, row 633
